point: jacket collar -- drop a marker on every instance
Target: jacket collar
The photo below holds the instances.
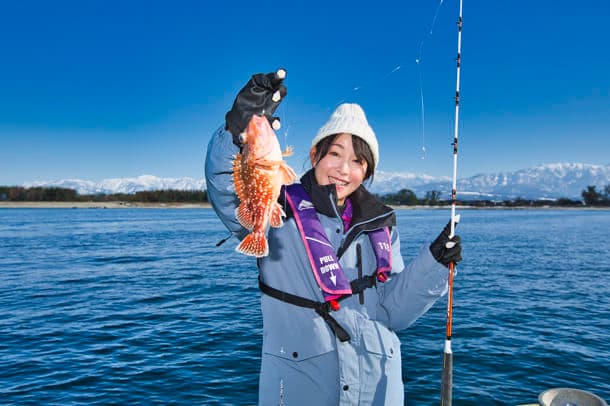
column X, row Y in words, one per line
column 324, row 198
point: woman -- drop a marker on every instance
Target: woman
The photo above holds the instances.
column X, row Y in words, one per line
column 334, row 285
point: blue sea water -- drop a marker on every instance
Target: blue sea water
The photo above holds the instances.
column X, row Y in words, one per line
column 138, row 306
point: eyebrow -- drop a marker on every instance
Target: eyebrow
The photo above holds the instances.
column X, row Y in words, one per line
column 337, row 145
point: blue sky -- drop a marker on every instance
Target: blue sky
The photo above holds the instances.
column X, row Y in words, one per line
column 102, row 89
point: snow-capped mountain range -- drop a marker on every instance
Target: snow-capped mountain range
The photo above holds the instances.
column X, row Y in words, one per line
column 123, row 185
column 549, row 181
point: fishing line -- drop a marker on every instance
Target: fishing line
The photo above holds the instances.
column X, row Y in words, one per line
column 284, row 127
column 387, row 75
column 418, row 62
column 422, row 110
column 366, row 85
column 436, row 15
column 356, row 90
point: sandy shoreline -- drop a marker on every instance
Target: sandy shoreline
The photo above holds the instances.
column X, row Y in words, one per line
column 138, row 205
column 101, row 205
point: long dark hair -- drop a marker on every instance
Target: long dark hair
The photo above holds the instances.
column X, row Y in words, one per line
column 361, row 150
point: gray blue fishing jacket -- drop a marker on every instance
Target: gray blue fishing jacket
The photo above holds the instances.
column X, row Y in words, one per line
column 303, row 362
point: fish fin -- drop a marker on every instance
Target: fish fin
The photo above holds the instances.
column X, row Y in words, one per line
column 277, row 213
column 264, row 163
column 287, row 174
column 255, row 244
column 244, row 216
column 288, row 151
column 238, row 182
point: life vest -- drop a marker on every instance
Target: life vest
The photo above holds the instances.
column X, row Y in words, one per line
column 325, row 265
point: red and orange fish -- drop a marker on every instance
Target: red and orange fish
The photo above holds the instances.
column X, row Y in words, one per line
column 259, row 172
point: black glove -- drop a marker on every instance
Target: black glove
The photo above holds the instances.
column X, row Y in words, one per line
column 261, row 95
column 445, row 249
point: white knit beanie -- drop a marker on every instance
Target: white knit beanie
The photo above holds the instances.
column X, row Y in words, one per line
column 349, row 118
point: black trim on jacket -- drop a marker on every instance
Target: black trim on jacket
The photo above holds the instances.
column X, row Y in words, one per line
column 369, row 213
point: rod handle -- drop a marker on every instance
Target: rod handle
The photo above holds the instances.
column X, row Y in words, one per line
column 447, row 379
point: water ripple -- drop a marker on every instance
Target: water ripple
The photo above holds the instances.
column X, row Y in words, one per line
column 140, row 306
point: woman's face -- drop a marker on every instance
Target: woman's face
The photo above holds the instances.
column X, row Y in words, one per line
column 340, row 167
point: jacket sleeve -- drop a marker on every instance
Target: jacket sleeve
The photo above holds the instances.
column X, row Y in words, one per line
column 409, row 293
column 219, row 180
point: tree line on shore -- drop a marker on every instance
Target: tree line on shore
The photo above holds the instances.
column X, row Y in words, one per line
column 58, row 194
column 404, row 197
column 590, row 197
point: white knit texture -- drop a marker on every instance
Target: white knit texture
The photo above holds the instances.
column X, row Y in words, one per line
column 350, row 118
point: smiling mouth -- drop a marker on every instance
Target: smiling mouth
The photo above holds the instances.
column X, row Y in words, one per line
column 337, row 182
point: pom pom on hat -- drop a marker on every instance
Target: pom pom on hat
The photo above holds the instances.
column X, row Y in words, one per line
column 350, row 118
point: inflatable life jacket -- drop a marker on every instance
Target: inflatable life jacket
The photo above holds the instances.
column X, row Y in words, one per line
column 324, row 262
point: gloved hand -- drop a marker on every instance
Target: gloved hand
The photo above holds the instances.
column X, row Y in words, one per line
column 445, row 249
column 261, row 95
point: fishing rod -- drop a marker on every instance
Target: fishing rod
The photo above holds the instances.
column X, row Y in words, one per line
column 447, row 376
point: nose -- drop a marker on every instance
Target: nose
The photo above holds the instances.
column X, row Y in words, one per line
column 344, row 166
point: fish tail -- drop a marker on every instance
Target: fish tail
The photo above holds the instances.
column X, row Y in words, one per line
column 255, row 244
column 275, row 220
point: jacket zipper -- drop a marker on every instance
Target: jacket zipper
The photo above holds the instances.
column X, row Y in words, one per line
column 343, row 234
column 359, row 266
